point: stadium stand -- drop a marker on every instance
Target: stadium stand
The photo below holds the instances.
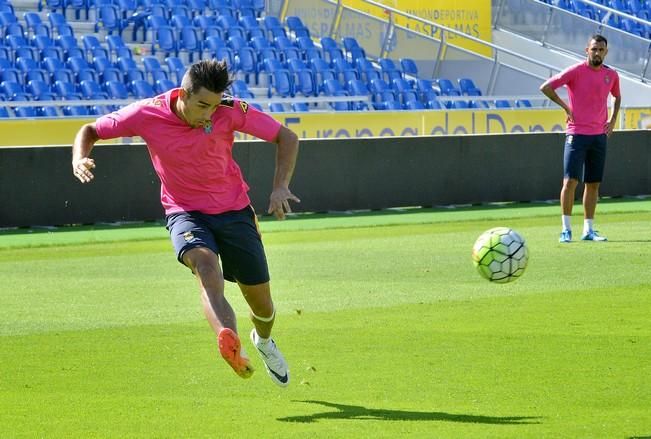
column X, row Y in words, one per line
column 130, row 49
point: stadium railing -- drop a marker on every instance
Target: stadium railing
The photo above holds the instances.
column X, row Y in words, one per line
column 436, row 56
column 558, row 28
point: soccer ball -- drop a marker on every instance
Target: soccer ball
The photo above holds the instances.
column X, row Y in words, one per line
column 500, row 255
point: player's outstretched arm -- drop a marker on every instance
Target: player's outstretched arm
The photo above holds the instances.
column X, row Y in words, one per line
column 81, row 148
column 286, row 153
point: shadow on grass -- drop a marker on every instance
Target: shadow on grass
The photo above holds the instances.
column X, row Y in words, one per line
column 362, row 413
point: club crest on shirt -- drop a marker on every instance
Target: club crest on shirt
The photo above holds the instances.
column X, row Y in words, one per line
column 244, row 106
column 188, row 236
column 607, row 79
column 227, row 101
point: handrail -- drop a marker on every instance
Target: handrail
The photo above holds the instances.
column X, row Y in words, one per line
column 615, row 11
column 460, row 34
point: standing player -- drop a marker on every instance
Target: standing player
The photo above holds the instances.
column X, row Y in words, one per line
column 588, row 84
column 189, row 133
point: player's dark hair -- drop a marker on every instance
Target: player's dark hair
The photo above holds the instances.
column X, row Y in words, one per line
column 210, row 74
column 599, row 39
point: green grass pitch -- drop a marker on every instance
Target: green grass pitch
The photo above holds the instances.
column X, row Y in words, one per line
column 388, row 330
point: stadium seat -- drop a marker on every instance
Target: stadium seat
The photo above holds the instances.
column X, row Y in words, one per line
column 116, row 90
column 25, row 112
column 66, row 90
column 280, row 84
column 164, row 41
column 241, row 90
column 409, row 67
column 92, row 90
column 163, row 85
column 332, row 87
column 117, row 48
column 105, row 69
column 447, row 87
column 322, row 71
column 93, row 47
column 31, row 70
column 390, row 105
column 208, row 25
column 414, row 105
column 502, row 103
column 276, row 107
column 523, row 103
column 189, row 41
column 389, row 69
column 47, row 111
column 300, row 107
column 68, row 44
column 367, row 71
column 13, row 90
column 153, row 69
column 142, row 89
column 176, row 68
column 57, row 70
column 468, row 87
column 109, row 19
column 80, row 67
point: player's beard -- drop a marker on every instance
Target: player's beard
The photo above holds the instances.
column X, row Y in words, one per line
column 596, row 62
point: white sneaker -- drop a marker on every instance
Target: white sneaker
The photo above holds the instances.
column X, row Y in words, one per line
column 273, row 360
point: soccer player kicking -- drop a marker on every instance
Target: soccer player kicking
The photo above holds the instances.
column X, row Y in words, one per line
column 189, row 133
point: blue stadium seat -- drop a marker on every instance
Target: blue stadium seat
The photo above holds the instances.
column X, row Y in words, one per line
column 75, row 110
column 468, row 87
column 389, row 69
column 31, row 69
column 404, row 90
column 381, row 91
column 163, row 85
column 300, row 107
column 47, row 111
column 66, row 90
column 280, row 84
column 153, row 69
column 106, row 70
column 447, row 87
column 68, row 44
column 117, row 47
column 92, row 90
column 93, row 47
column 502, row 103
column 523, row 103
column 409, row 67
column 367, row 71
column 81, row 68
column 332, row 87
column 189, row 41
column 116, row 90
column 142, row 89
column 208, row 25
column 57, row 70
column 197, row 7
column 276, row 107
column 13, row 90
column 26, row 112
column 176, row 68
column 241, row 90
column 164, row 41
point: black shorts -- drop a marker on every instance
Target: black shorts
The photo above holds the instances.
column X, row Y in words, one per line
column 234, row 236
column 585, row 157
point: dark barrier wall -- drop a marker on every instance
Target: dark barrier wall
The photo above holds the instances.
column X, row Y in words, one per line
column 37, row 186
